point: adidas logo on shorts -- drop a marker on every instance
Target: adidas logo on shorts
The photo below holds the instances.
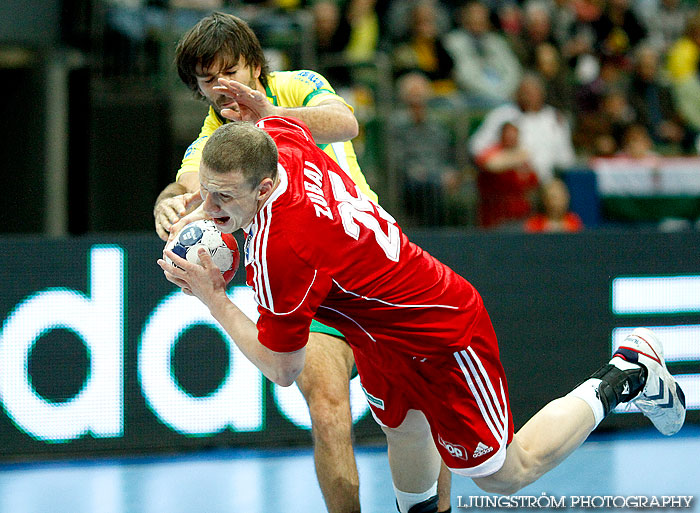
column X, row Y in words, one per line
column 481, row 449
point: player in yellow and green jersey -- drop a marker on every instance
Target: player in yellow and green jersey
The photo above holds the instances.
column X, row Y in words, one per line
column 221, row 60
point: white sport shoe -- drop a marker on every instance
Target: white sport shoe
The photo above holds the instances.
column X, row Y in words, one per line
column 661, row 399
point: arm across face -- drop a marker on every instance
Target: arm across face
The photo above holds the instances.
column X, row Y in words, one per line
column 330, row 121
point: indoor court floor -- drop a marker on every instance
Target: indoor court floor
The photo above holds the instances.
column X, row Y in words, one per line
column 630, row 464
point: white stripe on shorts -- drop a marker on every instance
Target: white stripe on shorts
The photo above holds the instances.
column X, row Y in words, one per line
column 492, row 410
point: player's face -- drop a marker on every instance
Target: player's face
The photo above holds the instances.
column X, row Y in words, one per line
column 229, row 200
column 208, row 78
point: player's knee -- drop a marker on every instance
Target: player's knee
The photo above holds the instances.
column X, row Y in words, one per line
column 519, row 469
column 330, row 417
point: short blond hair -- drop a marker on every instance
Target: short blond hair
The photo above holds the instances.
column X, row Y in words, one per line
column 241, row 148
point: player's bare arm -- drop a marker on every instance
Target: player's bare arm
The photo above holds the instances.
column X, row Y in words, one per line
column 174, row 202
column 330, row 121
column 207, row 284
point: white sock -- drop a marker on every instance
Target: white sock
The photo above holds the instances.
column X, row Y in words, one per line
column 623, row 364
column 588, row 391
column 406, row 500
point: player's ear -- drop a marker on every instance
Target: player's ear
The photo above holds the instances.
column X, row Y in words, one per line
column 265, row 187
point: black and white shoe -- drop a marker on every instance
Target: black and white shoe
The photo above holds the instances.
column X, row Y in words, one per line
column 661, row 399
column 427, row 506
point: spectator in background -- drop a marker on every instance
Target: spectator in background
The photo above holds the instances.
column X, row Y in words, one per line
column 486, row 69
column 506, row 180
column 637, row 143
column 600, row 133
column 422, row 152
column 364, row 30
column 544, row 131
column 136, row 31
column 652, row 99
column 562, row 17
column 618, row 31
column 610, row 76
column 665, row 21
column 555, row 215
column 684, row 70
column 577, row 43
column 332, row 33
column 345, row 36
column 508, row 19
column 398, row 19
column 537, row 30
column 425, row 52
column 557, row 78
column 593, row 105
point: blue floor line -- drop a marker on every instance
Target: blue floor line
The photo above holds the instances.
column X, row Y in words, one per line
column 238, row 453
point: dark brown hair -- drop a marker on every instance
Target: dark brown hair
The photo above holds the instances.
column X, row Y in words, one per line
column 218, row 36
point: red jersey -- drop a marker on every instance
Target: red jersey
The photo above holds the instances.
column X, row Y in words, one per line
column 320, row 248
column 419, row 332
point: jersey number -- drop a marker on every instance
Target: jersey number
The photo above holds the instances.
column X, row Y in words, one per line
column 354, row 210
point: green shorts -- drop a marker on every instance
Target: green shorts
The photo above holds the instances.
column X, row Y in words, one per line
column 317, row 327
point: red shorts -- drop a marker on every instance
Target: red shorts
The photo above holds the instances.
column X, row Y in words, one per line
column 463, row 394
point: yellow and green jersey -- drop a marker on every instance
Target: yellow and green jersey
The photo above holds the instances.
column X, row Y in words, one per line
column 288, row 89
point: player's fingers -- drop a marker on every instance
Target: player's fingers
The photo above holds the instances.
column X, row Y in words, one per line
column 253, row 100
column 175, row 228
column 179, row 267
column 168, row 268
column 233, row 86
column 164, row 226
column 249, row 114
column 257, row 96
column 171, row 217
column 162, row 231
column 191, row 199
column 232, row 115
column 196, row 215
column 225, row 91
column 172, row 278
column 227, row 88
column 205, row 259
column 170, row 211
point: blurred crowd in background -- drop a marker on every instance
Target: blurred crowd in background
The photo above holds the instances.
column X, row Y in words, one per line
column 469, row 111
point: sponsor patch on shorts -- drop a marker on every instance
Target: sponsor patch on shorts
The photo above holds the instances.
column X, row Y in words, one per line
column 374, row 401
column 455, row 450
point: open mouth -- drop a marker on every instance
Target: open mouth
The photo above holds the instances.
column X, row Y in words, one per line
column 221, row 220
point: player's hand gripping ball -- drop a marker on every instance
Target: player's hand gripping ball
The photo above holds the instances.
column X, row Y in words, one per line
column 222, row 247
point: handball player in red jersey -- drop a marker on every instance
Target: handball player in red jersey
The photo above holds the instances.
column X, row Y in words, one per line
column 424, row 346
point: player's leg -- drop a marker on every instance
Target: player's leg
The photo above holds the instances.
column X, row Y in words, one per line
column 444, row 489
column 415, row 464
column 324, row 382
column 543, row 442
column 637, row 373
